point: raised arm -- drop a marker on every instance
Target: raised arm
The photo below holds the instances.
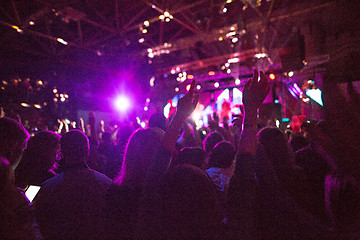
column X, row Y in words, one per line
column 186, row 105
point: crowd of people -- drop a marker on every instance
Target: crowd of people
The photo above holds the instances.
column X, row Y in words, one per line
column 170, row 181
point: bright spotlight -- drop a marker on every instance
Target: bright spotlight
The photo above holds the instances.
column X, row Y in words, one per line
column 122, row 103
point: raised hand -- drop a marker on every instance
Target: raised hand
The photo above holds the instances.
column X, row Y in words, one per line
column 255, row 91
column 187, row 104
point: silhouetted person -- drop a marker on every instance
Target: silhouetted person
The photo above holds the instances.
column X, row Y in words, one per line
column 70, row 205
column 37, row 163
column 16, row 213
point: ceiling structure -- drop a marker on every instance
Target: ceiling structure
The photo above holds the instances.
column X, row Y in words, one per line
column 69, row 41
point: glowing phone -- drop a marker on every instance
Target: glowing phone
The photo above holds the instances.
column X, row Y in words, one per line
column 31, row 192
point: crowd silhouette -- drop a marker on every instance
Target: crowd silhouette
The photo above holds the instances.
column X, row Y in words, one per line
column 171, row 181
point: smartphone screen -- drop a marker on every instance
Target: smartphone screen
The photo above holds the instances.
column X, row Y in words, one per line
column 31, row 192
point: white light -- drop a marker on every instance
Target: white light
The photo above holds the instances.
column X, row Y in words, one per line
column 277, row 123
column 122, row 103
column 148, row 100
column 198, row 87
column 25, row 104
column 31, row 23
column 216, row 84
column 152, row 81
column 146, row 108
column 167, row 19
column 37, row 106
column 233, row 60
column 177, row 89
column 237, row 81
column 62, row 99
column 260, row 55
column 228, row 71
column 291, row 73
column 166, row 14
column 224, row 10
column 146, row 23
column 143, row 124
column 227, row 64
column 230, row 34
column 172, row 71
column 149, row 50
column 55, row 90
column 234, row 40
column 60, row 40
column 141, row 40
column 151, row 55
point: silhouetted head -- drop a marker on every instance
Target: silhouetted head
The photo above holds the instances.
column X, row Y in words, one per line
column 74, row 147
column 195, row 156
column 211, row 140
column 188, row 207
column 277, row 149
column 297, row 142
column 13, row 140
column 39, row 157
column 222, row 155
column 138, row 155
column 158, row 120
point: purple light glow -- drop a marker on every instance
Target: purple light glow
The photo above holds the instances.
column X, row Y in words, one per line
column 122, row 103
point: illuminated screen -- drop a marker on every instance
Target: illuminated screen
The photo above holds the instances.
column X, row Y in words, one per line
column 31, row 192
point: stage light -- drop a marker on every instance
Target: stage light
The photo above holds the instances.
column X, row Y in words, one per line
column 66, row 96
column 141, row 40
column 177, row 89
column 55, row 99
column 31, row 23
column 146, row 23
column 122, row 103
column 190, row 76
column 180, row 74
column 25, row 105
column 55, row 90
column 37, row 106
column 220, row 39
column 60, row 40
column 224, row 10
column 272, row 76
column 146, row 108
column 291, row 73
column 62, row 99
column 198, row 87
column 144, row 30
column 237, row 81
column 148, row 100
column 228, row 71
column 161, row 17
column 143, row 124
column 234, row 40
column 188, row 87
column 172, row 71
column 167, row 19
column 211, row 73
column 216, row 84
column 233, row 60
column 152, row 81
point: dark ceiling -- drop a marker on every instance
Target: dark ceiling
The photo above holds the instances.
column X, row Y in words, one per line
column 103, row 43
